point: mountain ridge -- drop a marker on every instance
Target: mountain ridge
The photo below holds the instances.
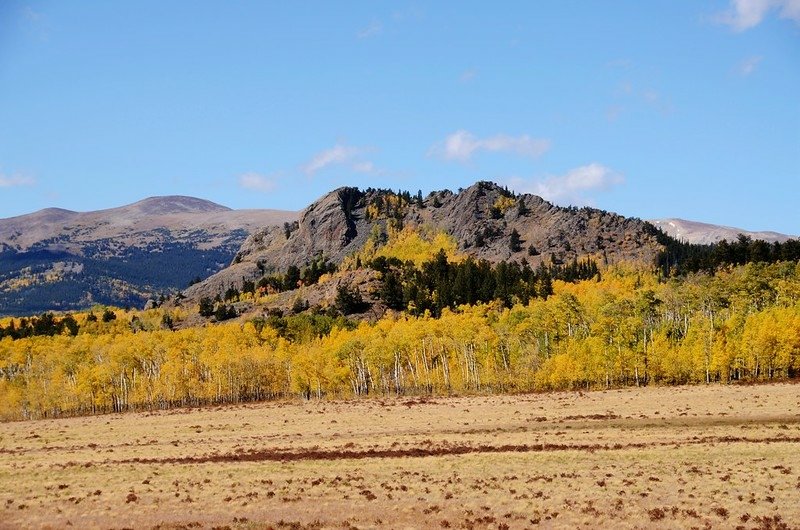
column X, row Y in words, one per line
column 482, row 219
column 57, row 259
column 701, row 233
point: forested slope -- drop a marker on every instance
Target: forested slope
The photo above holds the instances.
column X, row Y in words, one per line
column 59, row 260
column 627, row 326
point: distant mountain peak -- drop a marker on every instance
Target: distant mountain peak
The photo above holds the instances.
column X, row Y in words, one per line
column 56, row 259
column 705, row 233
column 173, row 204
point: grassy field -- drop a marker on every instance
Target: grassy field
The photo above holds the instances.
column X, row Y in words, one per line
column 702, row 457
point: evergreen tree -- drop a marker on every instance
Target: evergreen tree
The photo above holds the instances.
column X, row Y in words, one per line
column 515, row 242
column 292, row 278
column 391, row 290
column 349, row 300
column 206, row 307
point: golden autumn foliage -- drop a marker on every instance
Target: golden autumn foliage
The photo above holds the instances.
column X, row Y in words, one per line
column 416, row 244
column 504, row 203
column 628, row 328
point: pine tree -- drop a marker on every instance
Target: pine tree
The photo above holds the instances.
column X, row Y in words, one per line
column 515, row 242
column 206, row 307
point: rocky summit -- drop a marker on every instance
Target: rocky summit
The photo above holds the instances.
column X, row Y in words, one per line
column 484, row 220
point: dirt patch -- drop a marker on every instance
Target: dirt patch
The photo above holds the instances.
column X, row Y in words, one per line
column 288, row 455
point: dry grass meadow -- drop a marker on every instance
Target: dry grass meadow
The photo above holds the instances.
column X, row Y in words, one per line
column 685, row 457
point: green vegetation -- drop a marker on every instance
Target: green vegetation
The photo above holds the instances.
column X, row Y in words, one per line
column 681, row 258
column 439, row 283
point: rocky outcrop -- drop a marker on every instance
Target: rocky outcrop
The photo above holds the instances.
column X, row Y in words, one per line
column 333, row 226
column 484, row 219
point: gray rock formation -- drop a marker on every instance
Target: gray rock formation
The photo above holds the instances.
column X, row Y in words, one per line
column 342, row 221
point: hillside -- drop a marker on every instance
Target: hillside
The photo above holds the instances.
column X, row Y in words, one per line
column 483, row 220
column 60, row 259
column 707, row 234
column 57, row 259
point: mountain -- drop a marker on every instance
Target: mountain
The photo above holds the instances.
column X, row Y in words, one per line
column 482, row 219
column 706, row 234
column 57, row 259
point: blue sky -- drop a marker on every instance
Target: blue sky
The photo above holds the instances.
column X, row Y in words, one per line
column 650, row 109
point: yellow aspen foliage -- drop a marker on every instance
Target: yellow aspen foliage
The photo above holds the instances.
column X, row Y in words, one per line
column 416, row 244
column 629, row 328
column 504, row 203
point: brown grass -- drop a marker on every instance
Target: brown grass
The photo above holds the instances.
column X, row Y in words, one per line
column 717, row 456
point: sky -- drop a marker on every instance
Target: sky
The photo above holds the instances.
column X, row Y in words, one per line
column 652, row 109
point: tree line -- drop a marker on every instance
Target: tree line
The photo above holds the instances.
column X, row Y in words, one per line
column 680, row 257
column 440, row 283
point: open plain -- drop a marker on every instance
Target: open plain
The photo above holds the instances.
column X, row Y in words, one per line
column 689, row 457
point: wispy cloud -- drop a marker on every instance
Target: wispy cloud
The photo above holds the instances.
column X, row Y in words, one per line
column 374, row 29
column 16, row 180
column 620, row 63
column 627, row 92
column 35, row 23
column 256, row 182
column 366, row 167
column 468, row 75
column 393, row 23
column 410, row 13
column 336, row 155
column 749, row 65
column 30, row 14
column 651, row 96
column 658, row 102
column 745, row 14
column 462, row 145
column 614, row 112
column 341, row 154
column 573, row 187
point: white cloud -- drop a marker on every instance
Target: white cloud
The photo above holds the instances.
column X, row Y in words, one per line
column 749, row 65
column 365, row 167
column 572, row 187
column 256, row 182
column 745, row 14
column 16, row 180
column 461, row 145
column 338, row 154
column 342, row 155
column 374, row 29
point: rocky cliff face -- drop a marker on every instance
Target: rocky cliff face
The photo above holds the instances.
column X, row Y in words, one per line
column 481, row 218
column 483, row 229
